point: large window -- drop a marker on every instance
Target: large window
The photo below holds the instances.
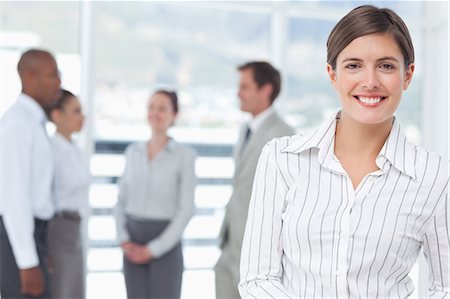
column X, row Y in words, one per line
column 309, row 97
column 51, row 25
column 191, row 48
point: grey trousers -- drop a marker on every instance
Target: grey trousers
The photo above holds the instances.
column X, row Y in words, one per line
column 161, row 277
column 66, row 264
column 9, row 272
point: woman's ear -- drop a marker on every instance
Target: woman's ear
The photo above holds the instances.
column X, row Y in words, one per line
column 331, row 74
column 55, row 116
column 175, row 114
column 408, row 76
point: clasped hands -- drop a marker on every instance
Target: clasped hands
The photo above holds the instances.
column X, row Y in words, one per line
column 136, row 253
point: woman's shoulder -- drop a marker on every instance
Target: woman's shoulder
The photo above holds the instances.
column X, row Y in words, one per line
column 183, row 149
column 423, row 154
column 428, row 161
column 61, row 145
column 281, row 145
column 135, row 148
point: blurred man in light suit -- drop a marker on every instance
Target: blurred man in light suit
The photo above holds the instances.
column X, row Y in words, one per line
column 259, row 86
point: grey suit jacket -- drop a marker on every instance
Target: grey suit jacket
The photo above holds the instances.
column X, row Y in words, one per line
column 233, row 227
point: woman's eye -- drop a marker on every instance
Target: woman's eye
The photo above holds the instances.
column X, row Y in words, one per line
column 387, row 66
column 352, row 66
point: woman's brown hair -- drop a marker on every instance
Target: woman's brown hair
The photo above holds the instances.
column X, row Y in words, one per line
column 172, row 95
column 60, row 103
column 365, row 20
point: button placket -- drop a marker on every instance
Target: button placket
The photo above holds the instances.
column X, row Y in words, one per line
column 344, row 240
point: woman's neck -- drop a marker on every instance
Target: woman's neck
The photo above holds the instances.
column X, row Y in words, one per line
column 358, row 145
column 159, row 138
column 156, row 144
column 66, row 135
column 363, row 140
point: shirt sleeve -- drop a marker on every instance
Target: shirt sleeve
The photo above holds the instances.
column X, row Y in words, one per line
column 261, row 268
column 186, row 207
column 437, row 252
column 119, row 211
column 17, row 205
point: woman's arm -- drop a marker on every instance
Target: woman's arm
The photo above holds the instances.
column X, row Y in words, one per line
column 261, row 270
column 437, row 251
column 119, row 210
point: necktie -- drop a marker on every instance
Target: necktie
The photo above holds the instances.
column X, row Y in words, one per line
column 247, row 136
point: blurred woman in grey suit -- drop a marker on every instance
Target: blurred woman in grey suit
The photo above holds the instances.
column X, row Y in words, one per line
column 155, row 203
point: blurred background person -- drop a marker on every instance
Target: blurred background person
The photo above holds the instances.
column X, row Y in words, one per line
column 155, row 203
column 71, row 191
column 259, row 86
column 26, row 179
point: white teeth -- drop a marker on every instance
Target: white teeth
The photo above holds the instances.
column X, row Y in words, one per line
column 369, row 100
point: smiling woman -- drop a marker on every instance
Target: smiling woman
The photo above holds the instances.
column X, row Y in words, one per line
column 155, row 203
column 370, row 76
column 345, row 211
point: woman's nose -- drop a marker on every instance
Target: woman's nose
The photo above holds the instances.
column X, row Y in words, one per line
column 371, row 80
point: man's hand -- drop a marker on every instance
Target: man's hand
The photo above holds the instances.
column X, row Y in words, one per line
column 32, row 282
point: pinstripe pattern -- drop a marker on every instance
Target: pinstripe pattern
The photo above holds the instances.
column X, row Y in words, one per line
column 309, row 234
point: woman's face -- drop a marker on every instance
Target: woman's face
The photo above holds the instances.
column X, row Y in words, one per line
column 70, row 118
column 161, row 114
column 370, row 77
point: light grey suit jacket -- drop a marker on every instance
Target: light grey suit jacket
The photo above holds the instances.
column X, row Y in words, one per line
column 246, row 160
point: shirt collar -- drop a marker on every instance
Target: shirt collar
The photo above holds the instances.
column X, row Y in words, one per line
column 259, row 119
column 31, row 106
column 171, row 144
column 320, row 138
column 397, row 149
column 62, row 142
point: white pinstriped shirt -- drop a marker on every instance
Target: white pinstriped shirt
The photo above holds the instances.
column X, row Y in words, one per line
column 309, row 234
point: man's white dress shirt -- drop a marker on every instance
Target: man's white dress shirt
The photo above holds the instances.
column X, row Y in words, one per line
column 259, row 119
column 310, row 234
column 26, row 176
